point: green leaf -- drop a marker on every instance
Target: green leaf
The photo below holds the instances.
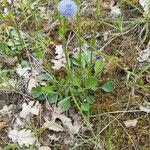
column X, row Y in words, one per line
column 3, row 46
column 64, row 104
column 91, row 83
column 44, row 77
column 14, row 34
column 90, row 99
column 39, row 53
column 75, row 61
column 10, row 43
column 52, row 98
column 41, row 97
column 85, row 106
column 87, row 56
column 63, row 27
column 25, row 63
column 108, row 86
column 77, row 81
column 93, row 41
column 36, row 92
column 99, row 65
column 47, row 89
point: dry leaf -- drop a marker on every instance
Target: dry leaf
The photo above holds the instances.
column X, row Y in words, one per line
column 107, row 4
column 31, row 108
column 53, row 126
column 106, row 35
column 58, row 63
column 115, row 11
column 145, row 109
column 6, row 110
column 131, row 123
column 31, row 84
column 73, row 129
column 53, row 137
column 145, row 54
column 23, row 72
column 59, row 52
column 67, row 123
column 3, row 125
column 59, row 60
column 19, row 122
column 23, row 137
column 44, row 148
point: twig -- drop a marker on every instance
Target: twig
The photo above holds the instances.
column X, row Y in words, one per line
column 116, row 112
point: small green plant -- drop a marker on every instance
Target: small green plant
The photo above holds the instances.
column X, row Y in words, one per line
column 117, row 24
column 108, row 137
column 12, row 45
column 58, row 91
column 5, row 76
column 81, row 80
column 29, row 31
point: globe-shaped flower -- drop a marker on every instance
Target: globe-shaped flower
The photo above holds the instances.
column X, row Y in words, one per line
column 67, row 8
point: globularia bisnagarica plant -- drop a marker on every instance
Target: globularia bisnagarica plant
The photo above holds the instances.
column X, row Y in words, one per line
column 82, row 70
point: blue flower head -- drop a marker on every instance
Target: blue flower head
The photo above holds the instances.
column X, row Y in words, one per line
column 67, row 8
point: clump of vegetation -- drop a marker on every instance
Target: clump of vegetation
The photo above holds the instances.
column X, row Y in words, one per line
column 68, row 58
